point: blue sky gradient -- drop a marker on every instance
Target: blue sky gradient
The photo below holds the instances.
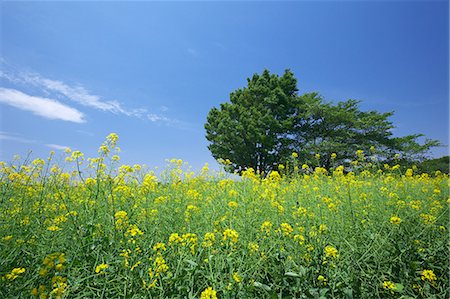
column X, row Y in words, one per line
column 73, row 72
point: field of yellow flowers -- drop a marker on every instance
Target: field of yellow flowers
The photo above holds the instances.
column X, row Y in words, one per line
column 89, row 228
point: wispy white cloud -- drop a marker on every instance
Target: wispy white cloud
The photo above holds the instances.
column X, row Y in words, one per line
column 47, row 108
column 170, row 122
column 19, row 138
column 155, row 118
column 76, row 93
column 15, row 137
column 57, row 146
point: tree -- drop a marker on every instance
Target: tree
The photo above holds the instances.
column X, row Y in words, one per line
column 440, row 164
column 253, row 129
column 324, row 128
column 266, row 121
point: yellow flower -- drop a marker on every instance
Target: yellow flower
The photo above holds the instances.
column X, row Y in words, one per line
column 409, row 173
column 99, row 269
column 34, row 292
column 208, row 293
column 59, row 267
column 232, row 193
column 14, row 273
column 18, row 271
column 322, row 279
column 53, row 228
column 160, row 265
column 174, row 239
column 428, row 219
column 395, row 220
column 428, row 275
column 286, row 228
column 333, row 155
column 322, row 228
column 294, row 155
column 209, row 240
column 389, row 285
column 330, row 251
column 236, row 277
column 43, row 272
column 159, row 247
column 230, row 234
column 233, row 204
column 360, row 154
column 253, row 247
column 266, row 226
column 133, row 230
column 120, row 215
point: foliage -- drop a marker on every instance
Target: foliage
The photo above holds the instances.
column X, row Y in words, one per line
column 441, row 164
column 90, row 228
column 267, row 120
column 252, row 131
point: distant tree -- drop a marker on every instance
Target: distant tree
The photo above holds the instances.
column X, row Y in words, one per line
column 266, row 121
column 432, row 165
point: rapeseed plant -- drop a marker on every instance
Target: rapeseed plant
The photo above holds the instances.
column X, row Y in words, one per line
column 90, row 227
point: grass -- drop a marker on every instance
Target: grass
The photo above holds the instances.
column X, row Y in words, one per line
column 100, row 230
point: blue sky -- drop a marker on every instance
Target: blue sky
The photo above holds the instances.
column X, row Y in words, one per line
column 72, row 72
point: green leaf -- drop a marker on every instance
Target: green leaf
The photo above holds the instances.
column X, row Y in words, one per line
column 399, row 287
column 262, row 286
column 192, row 263
column 348, row 292
column 292, row 274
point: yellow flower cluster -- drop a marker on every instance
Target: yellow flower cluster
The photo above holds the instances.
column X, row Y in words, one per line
column 162, row 229
column 99, row 269
column 388, row 285
column 53, row 266
column 428, row 275
column 395, row 220
column 14, row 274
column 208, row 240
column 330, row 251
column 208, row 293
column 230, row 235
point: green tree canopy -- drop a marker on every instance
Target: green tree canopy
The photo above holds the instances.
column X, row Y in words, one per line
column 266, row 121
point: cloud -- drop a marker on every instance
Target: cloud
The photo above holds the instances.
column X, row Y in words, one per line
column 60, row 90
column 75, row 93
column 78, row 94
column 160, row 118
column 155, row 117
column 170, row 122
column 57, row 146
column 14, row 137
column 47, row 108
